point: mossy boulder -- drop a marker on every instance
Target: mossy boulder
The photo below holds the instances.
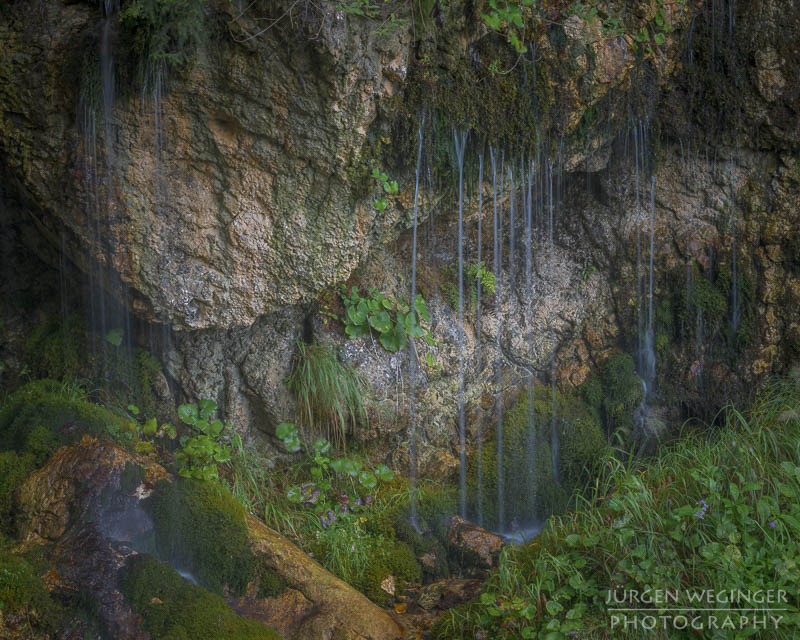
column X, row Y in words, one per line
column 174, row 609
column 44, row 415
column 216, row 551
column 532, row 491
column 14, row 468
column 26, row 606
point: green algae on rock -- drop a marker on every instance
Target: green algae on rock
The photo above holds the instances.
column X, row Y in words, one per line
column 174, row 609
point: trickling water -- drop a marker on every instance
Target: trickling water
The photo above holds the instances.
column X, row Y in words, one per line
column 497, row 244
column 736, row 311
column 412, row 362
column 554, row 444
column 479, row 428
column 460, row 140
column 511, row 215
column 530, row 442
column 649, row 372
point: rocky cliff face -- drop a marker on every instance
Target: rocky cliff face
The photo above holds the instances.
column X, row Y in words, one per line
column 250, row 196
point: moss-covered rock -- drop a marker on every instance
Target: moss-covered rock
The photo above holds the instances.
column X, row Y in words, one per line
column 26, row 603
column 43, row 415
column 65, row 350
column 174, row 609
column 532, row 490
column 614, row 395
column 14, row 468
column 202, row 528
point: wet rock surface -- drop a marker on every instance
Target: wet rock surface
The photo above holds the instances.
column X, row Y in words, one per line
column 84, row 505
column 474, row 542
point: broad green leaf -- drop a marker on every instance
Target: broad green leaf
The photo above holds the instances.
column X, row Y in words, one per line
column 380, row 321
column 367, row 479
column 322, row 446
column 150, row 427
column 188, row 414
column 206, row 408
column 295, row 494
column 114, row 337
column 133, row 409
column 384, row 473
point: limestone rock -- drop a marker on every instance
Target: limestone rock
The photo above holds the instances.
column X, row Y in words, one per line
column 475, row 541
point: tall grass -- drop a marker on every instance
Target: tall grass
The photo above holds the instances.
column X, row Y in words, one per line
column 328, row 394
column 718, row 510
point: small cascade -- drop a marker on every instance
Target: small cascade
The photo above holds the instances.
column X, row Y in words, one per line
column 735, row 304
column 530, row 440
column 460, row 139
column 412, row 355
column 649, row 372
column 479, row 427
column 497, row 247
column 512, row 209
column 554, row 444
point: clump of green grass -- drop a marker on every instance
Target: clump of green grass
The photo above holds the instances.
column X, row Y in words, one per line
column 328, row 393
column 718, row 510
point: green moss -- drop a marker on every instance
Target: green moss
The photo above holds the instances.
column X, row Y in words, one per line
column 23, row 593
column 621, row 393
column 63, row 349
column 530, row 491
column 270, row 584
column 43, row 415
column 14, row 468
column 174, row 609
column 202, row 528
column 57, row 348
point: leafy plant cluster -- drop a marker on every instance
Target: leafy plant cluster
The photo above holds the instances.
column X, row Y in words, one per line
column 200, row 451
column 508, row 16
column 162, row 33
column 391, row 319
column 390, row 188
column 144, row 435
column 695, row 519
column 475, row 273
column 323, row 493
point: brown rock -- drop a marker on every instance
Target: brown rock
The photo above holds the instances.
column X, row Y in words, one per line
column 472, row 539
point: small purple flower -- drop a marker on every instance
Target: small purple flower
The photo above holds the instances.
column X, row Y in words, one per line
column 703, row 508
column 772, row 524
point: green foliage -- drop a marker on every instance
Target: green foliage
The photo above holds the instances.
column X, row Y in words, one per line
column 615, row 395
column 475, row 273
column 327, row 497
column 392, row 319
column 328, row 394
column 201, row 527
column 530, row 492
column 162, row 33
column 45, row 414
column 141, row 436
column 389, row 188
column 509, row 16
column 365, row 560
column 174, row 609
column 200, row 453
column 65, row 350
column 695, row 518
column 24, row 598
